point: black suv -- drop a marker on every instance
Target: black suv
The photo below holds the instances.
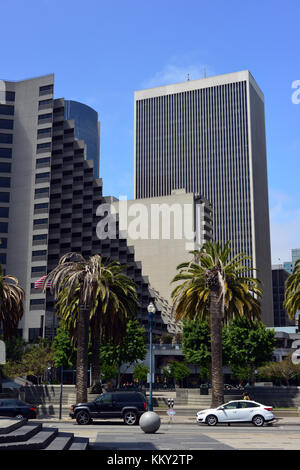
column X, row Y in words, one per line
column 127, row 405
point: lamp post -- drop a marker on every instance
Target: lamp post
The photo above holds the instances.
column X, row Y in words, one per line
column 151, row 310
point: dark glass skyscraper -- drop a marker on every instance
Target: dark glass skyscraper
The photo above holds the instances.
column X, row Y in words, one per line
column 208, row 137
column 87, row 128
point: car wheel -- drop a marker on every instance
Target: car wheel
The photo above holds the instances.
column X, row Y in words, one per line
column 130, row 418
column 258, row 420
column 83, row 417
column 211, row 420
column 19, row 416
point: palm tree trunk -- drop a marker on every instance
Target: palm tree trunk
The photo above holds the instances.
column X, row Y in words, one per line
column 217, row 381
column 82, row 354
column 95, row 337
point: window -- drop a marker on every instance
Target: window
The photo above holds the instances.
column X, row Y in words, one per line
column 231, row 406
column 105, row 398
column 3, row 258
column 3, row 227
column 42, row 190
column 39, row 237
column 4, row 197
column 47, row 130
column 39, row 253
column 4, row 182
column 3, row 243
column 7, row 109
column 5, row 167
column 41, row 161
column 44, row 205
column 10, row 95
column 42, row 175
column 44, row 90
column 46, row 145
column 6, row 138
column 4, row 212
column 248, row 404
column 5, row 153
column 40, row 221
column 38, row 269
column 45, row 103
column 6, row 124
column 44, row 117
column 37, row 301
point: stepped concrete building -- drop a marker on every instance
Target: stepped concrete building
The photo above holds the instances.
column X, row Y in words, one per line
column 49, row 199
column 162, row 231
column 207, row 136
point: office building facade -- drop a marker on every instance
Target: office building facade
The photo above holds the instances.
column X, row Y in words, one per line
column 48, row 201
column 208, row 137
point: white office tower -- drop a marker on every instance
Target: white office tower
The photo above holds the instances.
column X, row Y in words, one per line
column 207, row 136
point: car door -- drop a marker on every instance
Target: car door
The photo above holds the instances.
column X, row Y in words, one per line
column 247, row 410
column 103, row 405
column 229, row 412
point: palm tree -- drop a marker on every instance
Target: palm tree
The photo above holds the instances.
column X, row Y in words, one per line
column 292, row 292
column 11, row 304
column 110, row 315
column 11, row 307
column 219, row 288
column 110, row 298
column 74, row 274
column 114, row 302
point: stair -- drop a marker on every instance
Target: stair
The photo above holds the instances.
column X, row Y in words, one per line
column 18, row 434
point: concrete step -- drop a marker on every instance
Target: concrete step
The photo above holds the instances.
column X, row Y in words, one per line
column 80, row 443
column 21, row 434
column 36, row 442
column 62, row 441
column 10, row 424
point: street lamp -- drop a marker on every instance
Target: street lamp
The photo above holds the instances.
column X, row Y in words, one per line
column 151, row 310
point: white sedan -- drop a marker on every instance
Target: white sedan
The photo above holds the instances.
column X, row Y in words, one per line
column 238, row 411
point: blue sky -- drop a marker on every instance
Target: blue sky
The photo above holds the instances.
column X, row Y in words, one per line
column 101, row 52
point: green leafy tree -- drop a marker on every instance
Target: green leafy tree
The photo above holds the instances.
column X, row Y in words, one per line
column 64, row 353
column 37, row 359
column 248, row 345
column 177, row 370
column 216, row 286
column 283, row 371
column 35, row 362
column 140, row 373
column 108, row 372
column 15, row 348
column 196, row 345
column 131, row 349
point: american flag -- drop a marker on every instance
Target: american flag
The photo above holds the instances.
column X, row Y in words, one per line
column 40, row 282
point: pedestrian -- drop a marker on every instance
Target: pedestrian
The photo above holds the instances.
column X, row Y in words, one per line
column 246, row 396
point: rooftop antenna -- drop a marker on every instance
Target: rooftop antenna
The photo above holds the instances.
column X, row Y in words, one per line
column 204, row 72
